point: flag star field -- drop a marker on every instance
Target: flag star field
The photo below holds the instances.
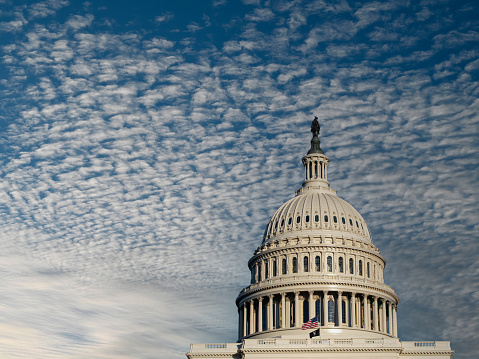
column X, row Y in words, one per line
column 144, row 146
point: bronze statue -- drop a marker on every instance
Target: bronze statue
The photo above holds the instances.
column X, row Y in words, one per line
column 315, row 127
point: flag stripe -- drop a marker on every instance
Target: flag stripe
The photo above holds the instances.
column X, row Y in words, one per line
column 312, row 323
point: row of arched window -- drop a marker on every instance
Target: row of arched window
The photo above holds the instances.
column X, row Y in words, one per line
column 279, row 224
column 280, row 266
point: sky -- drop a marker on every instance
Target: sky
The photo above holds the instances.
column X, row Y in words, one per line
column 144, row 145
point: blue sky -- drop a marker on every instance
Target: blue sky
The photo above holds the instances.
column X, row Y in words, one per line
column 144, row 146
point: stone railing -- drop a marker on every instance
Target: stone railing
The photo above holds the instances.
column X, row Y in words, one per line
column 426, row 345
column 312, row 343
column 215, row 348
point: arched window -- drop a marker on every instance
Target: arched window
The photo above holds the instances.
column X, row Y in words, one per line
column 335, row 219
column 326, row 219
column 367, row 270
column 282, row 222
column 351, row 266
column 343, row 220
column 285, row 267
column 331, row 311
column 350, row 222
column 305, row 311
column 253, row 273
column 360, row 267
column 306, row 264
column 290, row 220
column 318, row 263
column 295, row 265
column 330, row 264
column 307, row 221
column 298, row 219
column 266, row 269
column 316, row 218
column 275, row 269
column 341, row 265
column 259, row 272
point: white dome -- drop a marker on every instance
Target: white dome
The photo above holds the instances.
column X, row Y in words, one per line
column 314, row 212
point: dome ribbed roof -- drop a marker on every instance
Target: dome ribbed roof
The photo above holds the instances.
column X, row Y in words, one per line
column 313, row 212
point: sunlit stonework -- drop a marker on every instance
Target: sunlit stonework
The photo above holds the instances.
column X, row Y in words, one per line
column 317, row 259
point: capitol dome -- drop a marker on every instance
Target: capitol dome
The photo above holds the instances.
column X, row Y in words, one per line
column 316, row 211
column 317, row 288
column 317, row 260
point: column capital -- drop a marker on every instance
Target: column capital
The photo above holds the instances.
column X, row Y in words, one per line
column 282, row 294
column 296, row 293
column 260, row 299
column 271, row 296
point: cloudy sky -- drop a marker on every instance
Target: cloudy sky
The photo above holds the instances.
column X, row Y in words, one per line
column 144, row 146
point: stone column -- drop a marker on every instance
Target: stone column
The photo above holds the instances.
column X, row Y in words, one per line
column 244, row 319
column 296, row 310
column 368, row 311
column 260, row 314
column 365, row 309
column 325, row 307
column 375, row 314
column 283, row 310
column 311, row 304
column 251, row 317
column 270, row 313
column 395, row 321
column 340, row 309
column 390, row 318
column 353, row 310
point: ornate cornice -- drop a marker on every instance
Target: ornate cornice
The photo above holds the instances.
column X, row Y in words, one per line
column 292, row 285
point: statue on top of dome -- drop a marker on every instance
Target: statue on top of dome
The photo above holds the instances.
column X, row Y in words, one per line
column 315, row 127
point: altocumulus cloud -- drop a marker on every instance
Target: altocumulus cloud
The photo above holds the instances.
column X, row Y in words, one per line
column 143, row 150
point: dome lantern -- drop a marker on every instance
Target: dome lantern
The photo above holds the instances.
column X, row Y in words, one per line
column 315, row 162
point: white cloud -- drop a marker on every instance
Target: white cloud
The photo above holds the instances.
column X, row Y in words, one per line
column 133, row 165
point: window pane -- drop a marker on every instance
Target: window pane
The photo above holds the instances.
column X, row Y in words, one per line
column 266, row 269
column 330, row 264
column 285, row 269
column 259, row 272
column 306, row 264
column 330, row 311
column 351, row 266
column 318, row 264
column 275, row 270
column 295, row 265
column 341, row 267
column 360, row 267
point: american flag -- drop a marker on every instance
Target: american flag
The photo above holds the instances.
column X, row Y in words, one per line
column 312, row 323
